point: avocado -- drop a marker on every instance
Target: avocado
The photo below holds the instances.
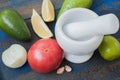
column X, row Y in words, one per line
column 14, row 25
column 69, row 4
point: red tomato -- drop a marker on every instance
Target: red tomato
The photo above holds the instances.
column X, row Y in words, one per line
column 45, row 55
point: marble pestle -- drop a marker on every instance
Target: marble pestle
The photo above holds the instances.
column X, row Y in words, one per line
column 102, row 25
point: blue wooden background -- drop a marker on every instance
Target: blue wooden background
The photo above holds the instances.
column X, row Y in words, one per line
column 95, row 69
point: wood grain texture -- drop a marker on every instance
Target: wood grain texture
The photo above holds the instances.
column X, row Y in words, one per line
column 24, row 7
column 95, row 69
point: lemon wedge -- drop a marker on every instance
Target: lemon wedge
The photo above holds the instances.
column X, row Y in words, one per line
column 39, row 26
column 48, row 14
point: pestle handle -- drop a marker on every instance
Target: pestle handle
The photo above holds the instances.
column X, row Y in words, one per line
column 103, row 25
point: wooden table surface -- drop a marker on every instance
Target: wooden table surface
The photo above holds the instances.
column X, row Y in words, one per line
column 95, row 69
column 24, row 7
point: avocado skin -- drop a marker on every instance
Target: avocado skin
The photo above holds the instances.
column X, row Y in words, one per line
column 69, row 4
column 14, row 25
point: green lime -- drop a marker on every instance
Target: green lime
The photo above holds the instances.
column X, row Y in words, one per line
column 68, row 4
column 109, row 48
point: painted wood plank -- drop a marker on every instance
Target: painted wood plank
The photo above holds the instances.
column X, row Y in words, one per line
column 24, row 7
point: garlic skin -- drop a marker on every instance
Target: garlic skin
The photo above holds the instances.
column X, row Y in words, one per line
column 15, row 56
column 60, row 70
column 68, row 68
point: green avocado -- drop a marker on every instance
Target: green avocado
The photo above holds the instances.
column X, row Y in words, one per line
column 69, row 4
column 14, row 25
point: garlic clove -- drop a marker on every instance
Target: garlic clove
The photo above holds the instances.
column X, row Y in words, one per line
column 68, row 68
column 61, row 70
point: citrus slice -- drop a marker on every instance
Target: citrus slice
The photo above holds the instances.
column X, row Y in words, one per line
column 47, row 11
column 39, row 26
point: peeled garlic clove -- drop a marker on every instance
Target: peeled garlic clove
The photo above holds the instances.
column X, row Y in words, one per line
column 15, row 56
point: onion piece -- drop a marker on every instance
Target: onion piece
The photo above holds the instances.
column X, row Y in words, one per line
column 15, row 56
